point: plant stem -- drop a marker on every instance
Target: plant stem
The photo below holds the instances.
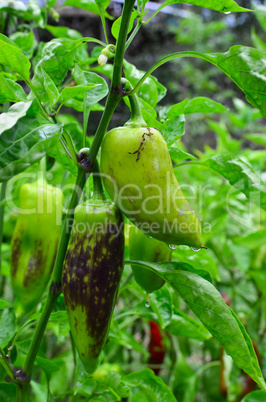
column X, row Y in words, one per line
column 22, row 392
column 55, row 287
column 115, row 93
column 136, row 118
column 134, row 33
column 111, row 103
column 102, row 12
column 233, row 286
column 41, row 174
column 5, row 363
column 2, row 211
column 121, row 42
column 98, row 192
column 208, row 57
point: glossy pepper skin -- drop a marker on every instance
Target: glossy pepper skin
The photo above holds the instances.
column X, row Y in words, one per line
column 144, row 248
column 35, row 241
column 138, row 176
column 156, row 347
column 92, row 271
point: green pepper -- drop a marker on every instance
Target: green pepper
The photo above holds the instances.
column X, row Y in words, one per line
column 138, row 176
column 145, row 248
column 91, row 275
column 35, row 241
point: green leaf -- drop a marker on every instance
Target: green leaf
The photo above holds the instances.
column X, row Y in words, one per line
column 102, row 3
column 256, row 396
column 116, row 24
column 48, row 366
column 88, row 5
column 15, row 112
column 252, row 240
column 63, row 32
column 202, row 260
column 208, row 305
column 50, row 89
column 257, row 41
column 39, row 391
column 183, row 325
column 8, row 327
column 161, row 303
column 240, row 175
column 10, row 91
column 72, row 92
column 8, row 392
column 259, row 277
column 58, row 316
column 148, row 90
column 260, row 13
column 172, row 266
column 71, row 125
column 3, row 304
column 25, row 41
column 242, row 256
column 12, row 57
column 91, row 98
column 95, row 95
column 245, row 66
column 177, row 154
column 185, row 380
column 111, row 387
column 151, row 386
column 253, row 356
column 224, row 6
column 57, row 57
column 140, row 310
column 127, row 340
column 195, row 105
column 25, row 144
column 173, row 129
column 257, row 138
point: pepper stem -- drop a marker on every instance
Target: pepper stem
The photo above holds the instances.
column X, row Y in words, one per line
column 41, row 174
column 98, row 192
column 136, row 118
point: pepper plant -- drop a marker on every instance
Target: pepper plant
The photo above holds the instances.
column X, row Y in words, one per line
column 40, row 143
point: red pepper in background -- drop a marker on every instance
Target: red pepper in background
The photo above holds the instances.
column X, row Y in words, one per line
column 156, row 347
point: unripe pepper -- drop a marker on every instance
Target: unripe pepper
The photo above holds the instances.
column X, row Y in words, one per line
column 92, row 271
column 144, row 248
column 35, row 241
column 138, row 176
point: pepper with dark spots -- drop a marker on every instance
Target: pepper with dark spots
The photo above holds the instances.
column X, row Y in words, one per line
column 92, row 271
column 34, row 242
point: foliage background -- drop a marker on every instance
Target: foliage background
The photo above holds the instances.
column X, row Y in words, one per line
column 234, row 227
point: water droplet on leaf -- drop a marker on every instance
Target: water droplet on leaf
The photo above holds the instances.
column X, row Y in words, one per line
column 195, row 249
column 173, row 246
column 147, row 304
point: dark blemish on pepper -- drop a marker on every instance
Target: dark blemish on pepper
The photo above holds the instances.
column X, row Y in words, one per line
column 141, row 147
